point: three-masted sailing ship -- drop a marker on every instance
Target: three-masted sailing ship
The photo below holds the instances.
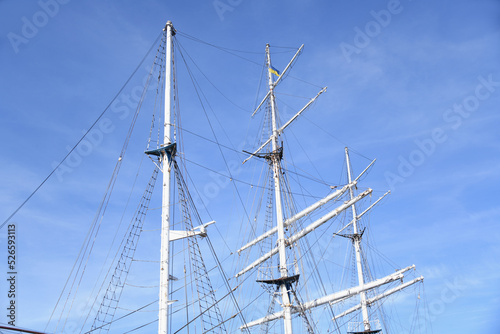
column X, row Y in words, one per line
column 279, row 281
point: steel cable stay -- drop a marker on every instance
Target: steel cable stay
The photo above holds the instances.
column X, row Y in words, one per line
column 197, row 254
column 241, row 181
column 219, row 266
column 83, row 136
column 90, row 239
column 266, row 245
column 142, row 326
column 351, row 149
column 292, row 95
column 228, row 50
column 210, row 81
column 216, row 141
column 382, row 311
column 256, row 202
column 114, row 290
column 193, row 186
column 199, row 95
column 159, row 54
column 205, row 291
column 307, row 255
column 265, row 184
column 315, row 273
column 234, row 50
column 196, row 86
column 262, row 72
column 319, row 177
column 196, row 189
column 111, row 246
column 303, row 190
column 122, row 317
column 94, row 228
column 156, row 310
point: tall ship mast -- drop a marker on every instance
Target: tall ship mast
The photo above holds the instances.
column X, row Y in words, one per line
column 166, row 154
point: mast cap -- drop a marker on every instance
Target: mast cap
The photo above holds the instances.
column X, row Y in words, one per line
column 169, row 24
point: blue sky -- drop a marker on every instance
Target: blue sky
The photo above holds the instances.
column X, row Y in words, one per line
column 413, row 83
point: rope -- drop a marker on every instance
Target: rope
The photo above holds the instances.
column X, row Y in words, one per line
column 158, row 55
column 85, row 251
column 195, row 85
column 216, row 88
column 83, row 137
column 241, row 181
column 124, row 316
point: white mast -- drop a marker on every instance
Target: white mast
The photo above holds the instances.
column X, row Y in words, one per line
column 165, row 213
column 356, row 238
column 275, row 158
column 166, row 152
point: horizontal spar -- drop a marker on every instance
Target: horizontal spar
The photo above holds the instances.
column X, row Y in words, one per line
column 279, row 78
column 311, row 227
column 280, row 130
column 333, row 297
column 300, row 215
column 378, row 297
column 358, row 217
column 356, row 290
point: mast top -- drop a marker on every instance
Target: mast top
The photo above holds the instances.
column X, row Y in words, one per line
column 169, row 24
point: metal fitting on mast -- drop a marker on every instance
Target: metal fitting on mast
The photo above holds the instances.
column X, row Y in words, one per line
column 169, row 24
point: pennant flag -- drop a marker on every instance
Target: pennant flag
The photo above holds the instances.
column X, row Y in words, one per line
column 274, row 71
